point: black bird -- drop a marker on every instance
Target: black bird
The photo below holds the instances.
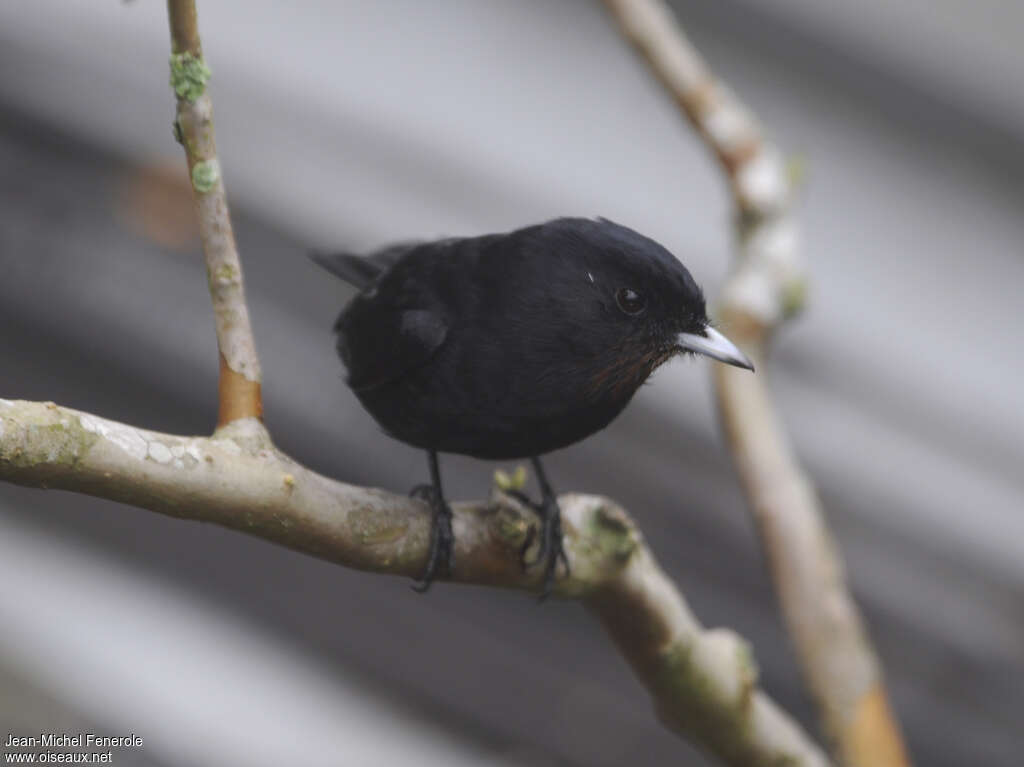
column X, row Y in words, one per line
column 512, row 345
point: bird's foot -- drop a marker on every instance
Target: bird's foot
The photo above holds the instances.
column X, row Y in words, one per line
column 442, row 540
column 550, row 548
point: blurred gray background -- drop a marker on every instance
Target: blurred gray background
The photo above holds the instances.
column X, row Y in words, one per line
column 350, row 124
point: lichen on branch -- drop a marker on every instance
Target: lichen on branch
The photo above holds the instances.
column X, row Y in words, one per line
column 703, row 683
column 239, row 392
column 189, row 75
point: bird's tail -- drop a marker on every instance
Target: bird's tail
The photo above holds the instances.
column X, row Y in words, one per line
column 361, row 271
column 355, row 270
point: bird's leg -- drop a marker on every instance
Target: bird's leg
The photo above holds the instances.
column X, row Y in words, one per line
column 550, row 549
column 442, row 540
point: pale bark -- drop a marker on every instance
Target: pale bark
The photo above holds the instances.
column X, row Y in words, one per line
column 767, row 285
column 704, row 683
column 239, row 390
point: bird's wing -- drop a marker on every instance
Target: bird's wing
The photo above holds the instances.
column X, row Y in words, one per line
column 394, row 325
column 381, row 347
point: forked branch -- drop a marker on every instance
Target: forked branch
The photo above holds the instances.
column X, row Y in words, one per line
column 704, row 683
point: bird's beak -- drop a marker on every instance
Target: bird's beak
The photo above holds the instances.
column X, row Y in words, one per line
column 716, row 346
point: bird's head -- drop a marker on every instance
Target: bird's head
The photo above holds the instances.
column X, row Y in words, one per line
column 635, row 303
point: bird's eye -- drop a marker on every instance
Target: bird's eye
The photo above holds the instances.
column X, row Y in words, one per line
column 630, row 301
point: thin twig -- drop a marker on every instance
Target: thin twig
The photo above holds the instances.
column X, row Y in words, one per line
column 704, row 683
column 239, row 389
column 766, row 286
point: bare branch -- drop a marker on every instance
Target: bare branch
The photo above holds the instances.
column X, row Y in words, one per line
column 704, row 683
column 239, row 390
column 766, row 286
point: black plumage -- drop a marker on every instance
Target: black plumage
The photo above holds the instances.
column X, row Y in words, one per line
column 513, row 345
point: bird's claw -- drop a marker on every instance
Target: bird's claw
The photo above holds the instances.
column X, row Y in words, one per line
column 550, row 549
column 441, row 560
column 531, row 534
column 523, row 499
